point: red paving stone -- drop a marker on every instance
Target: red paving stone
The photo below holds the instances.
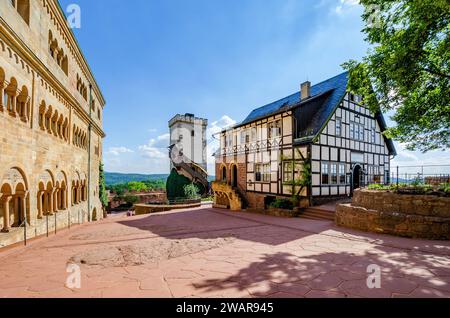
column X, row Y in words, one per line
column 215, row 253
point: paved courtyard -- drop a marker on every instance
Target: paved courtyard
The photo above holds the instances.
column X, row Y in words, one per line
column 215, row 253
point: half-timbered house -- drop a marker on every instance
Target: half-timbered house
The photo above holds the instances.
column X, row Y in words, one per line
column 319, row 143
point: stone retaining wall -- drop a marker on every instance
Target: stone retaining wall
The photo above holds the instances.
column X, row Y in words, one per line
column 383, row 201
column 415, row 216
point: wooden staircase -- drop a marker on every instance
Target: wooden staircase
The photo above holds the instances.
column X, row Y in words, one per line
column 318, row 213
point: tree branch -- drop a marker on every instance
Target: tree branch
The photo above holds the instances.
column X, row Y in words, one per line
column 436, row 73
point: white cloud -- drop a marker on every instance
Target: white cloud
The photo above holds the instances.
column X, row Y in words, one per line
column 345, row 5
column 117, row 151
column 156, row 148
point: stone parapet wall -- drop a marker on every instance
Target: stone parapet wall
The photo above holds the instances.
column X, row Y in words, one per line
column 414, row 216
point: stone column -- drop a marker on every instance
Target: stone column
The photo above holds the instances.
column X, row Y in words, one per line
column 50, row 203
column 39, row 204
column 63, row 198
column 2, row 92
column 55, row 201
column 26, row 206
column 6, row 225
column 12, row 110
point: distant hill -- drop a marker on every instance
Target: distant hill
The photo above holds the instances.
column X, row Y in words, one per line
column 112, row 178
column 116, row 178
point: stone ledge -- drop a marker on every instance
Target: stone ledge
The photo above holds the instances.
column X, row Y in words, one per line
column 141, row 209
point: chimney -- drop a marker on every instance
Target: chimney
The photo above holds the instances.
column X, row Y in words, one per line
column 305, row 91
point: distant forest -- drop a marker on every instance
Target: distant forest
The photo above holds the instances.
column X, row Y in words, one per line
column 113, row 178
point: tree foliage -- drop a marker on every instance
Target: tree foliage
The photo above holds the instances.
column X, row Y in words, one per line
column 102, row 187
column 137, row 186
column 191, row 191
column 407, row 69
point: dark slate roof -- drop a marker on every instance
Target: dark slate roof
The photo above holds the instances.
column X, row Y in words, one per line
column 338, row 83
column 314, row 112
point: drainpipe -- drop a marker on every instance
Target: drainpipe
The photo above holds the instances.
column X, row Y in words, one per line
column 89, row 153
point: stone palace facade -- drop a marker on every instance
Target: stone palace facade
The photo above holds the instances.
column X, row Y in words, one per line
column 51, row 131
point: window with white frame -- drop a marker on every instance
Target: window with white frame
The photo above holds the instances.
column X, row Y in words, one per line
column 338, row 127
column 288, row 172
column 334, row 176
column 352, row 130
column 325, row 173
column 262, row 172
column 342, row 174
column 275, row 129
column 254, row 134
column 243, row 137
column 356, row 131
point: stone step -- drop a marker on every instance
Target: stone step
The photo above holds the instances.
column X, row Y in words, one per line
column 318, row 214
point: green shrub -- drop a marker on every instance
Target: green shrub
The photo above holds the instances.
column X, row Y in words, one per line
column 130, row 199
column 175, row 185
column 445, row 187
column 285, row 204
column 379, row 187
column 191, row 191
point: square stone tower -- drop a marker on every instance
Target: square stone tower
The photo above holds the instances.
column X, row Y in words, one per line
column 188, row 135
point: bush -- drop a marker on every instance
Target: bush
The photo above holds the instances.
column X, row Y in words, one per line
column 445, row 187
column 191, row 191
column 285, row 204
column 130, row 199
column 175, row 185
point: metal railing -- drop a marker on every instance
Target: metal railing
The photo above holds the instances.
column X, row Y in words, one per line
column 424, row 174
column 434, row 175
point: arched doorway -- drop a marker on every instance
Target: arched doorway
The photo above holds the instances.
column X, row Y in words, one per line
column 224, row 174
column 234, row 176
column 357, row 173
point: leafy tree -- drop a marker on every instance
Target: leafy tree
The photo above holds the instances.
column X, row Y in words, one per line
column 137, row 186
column 102, row 187
column 407, row 69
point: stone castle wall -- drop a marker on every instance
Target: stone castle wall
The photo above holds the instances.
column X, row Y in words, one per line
column 416, row 216
column 51, row 123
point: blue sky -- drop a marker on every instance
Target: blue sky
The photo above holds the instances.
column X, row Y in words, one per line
column 218, row 59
